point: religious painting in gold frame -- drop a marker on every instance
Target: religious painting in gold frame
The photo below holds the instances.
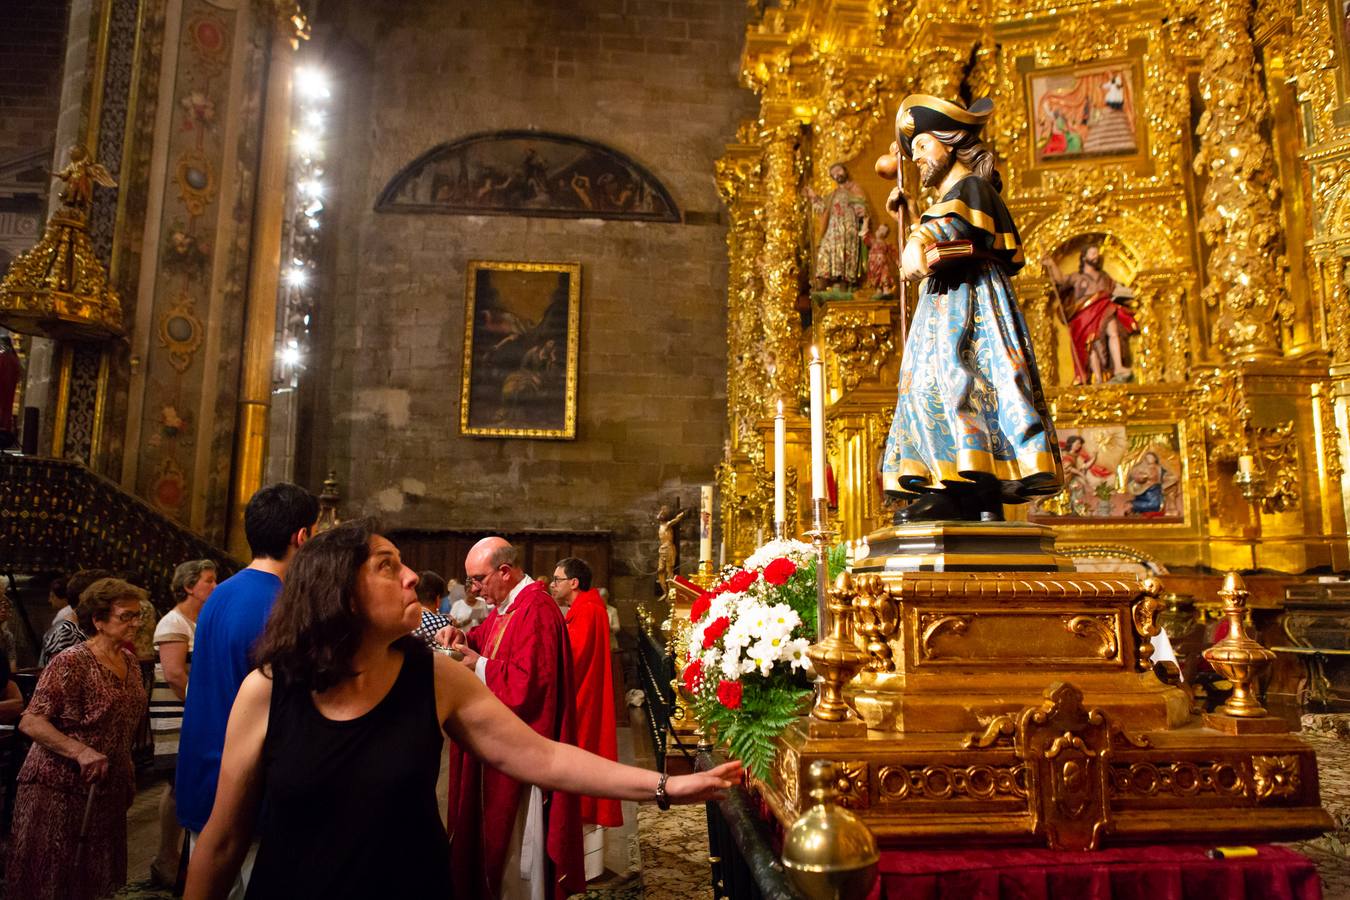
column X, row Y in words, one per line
column 1118, row 474
column 521, row 323
column 1086, row 112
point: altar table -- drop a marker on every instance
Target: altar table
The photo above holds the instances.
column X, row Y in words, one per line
column 1158, row 872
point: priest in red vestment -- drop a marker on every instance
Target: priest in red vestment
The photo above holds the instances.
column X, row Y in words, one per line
column 507, row 839
column 593, row 681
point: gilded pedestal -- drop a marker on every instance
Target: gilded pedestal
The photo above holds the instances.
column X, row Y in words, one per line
column 1020, row 707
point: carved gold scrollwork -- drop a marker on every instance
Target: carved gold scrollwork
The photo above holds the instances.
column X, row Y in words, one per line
column 1224, row 405
column 1277, row 448
column 1000, row 728
column 786, row 773
column 1240, row 216
column 1275, row 777
column 1145, row 615
column 1100, row 628
column 1182, row 779
column 852, row 784
column 896, row 784
column 933, row 624
column 876, row 617
column 860, row 346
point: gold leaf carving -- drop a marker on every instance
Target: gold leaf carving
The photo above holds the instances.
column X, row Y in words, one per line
column 1100, row 628
column 933, row 624
column 1275, row 777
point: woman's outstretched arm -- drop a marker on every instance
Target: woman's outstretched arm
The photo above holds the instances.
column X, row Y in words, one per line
column 482, row 724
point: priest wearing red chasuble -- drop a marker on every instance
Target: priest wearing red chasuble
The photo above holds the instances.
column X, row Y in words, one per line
column 507, row 839
column 592, row 675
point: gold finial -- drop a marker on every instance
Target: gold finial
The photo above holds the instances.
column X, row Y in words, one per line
column 828, row 852
column 837, row 658
column 1237, row 657
column 328, row 501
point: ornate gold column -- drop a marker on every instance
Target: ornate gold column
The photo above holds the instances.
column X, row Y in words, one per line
column 1240, row 216
column 260, row 315
column 781, row 228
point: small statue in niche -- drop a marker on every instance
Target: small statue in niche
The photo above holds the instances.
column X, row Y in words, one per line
column 1098, row 322
column 668, row 550
column 971, row 430
column 841, row 255
column 881, row 262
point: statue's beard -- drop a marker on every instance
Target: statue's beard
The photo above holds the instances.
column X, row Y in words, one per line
column 931, row 172
column 1094, row 264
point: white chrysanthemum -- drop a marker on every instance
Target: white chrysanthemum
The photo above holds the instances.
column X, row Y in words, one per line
column 795, row 654
column 797, row 551
column 732, row 666
column 781, row 619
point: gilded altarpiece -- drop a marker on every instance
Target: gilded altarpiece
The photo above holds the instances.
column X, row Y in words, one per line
column 1225, row 223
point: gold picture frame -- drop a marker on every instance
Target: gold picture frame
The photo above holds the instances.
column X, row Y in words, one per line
column 1088, row 112
column 518, row 380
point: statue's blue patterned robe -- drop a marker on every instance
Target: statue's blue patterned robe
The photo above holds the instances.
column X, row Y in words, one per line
column 971, row 405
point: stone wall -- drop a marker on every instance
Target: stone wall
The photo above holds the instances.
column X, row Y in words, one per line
column 32, row 50
column 656, row 81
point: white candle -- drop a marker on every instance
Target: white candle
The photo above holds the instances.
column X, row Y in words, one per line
column 779, row 466
column 1245, row 463
column 705, row 524
column 817, row 370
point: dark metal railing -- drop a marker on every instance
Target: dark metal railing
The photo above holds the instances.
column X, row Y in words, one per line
column 56, row 516
column 745, row 864
column 656, row 670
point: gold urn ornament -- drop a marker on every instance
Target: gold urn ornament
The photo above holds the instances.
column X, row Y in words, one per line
column 1237, row 657
column 59, row 288
column 828, row 852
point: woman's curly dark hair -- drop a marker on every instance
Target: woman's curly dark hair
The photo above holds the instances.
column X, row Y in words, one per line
column 314, row 629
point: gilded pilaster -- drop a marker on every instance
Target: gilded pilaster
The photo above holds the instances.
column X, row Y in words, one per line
column 1240, row 217
column 260, row 314
column 782, row 226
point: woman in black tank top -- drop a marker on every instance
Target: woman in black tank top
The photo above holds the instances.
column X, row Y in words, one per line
column 378, row 769
column 333, row 747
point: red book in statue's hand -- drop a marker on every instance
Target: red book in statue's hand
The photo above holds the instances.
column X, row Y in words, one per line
column 945, row 252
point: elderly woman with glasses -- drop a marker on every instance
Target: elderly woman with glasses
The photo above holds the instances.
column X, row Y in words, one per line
column 70, row 815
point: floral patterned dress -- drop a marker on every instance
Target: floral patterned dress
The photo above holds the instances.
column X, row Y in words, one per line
column 83, row 700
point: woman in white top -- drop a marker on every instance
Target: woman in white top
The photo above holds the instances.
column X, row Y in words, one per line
column 193, row 582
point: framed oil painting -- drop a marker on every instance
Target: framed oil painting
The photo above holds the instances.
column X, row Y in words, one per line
column 520, row 350
column 1085, row 112
column 1117, row 474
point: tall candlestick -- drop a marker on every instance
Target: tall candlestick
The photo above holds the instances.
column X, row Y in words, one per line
column 1245, row 464
column 705, row 514
column 779, row 469
column 817, row 370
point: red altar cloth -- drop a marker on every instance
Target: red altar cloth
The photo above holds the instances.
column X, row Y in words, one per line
column 1163, row 872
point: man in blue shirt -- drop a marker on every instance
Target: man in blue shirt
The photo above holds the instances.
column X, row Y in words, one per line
column 277, row 520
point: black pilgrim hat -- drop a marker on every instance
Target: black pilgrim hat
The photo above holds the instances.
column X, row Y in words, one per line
column 922, row 112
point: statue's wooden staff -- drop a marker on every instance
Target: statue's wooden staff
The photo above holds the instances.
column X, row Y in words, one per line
column 889, row 166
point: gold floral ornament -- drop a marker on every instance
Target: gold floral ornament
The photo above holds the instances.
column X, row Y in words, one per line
column 59, row 288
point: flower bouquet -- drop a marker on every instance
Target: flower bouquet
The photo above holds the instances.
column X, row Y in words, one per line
column 748, row 671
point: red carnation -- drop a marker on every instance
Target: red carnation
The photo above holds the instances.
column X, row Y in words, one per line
column 779, row 571
column 741, row 581
column 692, row 673
column 729, row 694
column 716, row 628
column 700, row 607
